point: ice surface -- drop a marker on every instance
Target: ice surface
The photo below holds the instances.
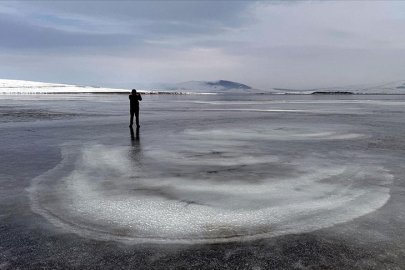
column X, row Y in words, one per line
column 214, row 185
column 327, row 181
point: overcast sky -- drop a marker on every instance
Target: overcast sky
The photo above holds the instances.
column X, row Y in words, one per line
column 303, row 44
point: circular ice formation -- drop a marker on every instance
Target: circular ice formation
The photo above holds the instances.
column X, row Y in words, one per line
column 190, row 193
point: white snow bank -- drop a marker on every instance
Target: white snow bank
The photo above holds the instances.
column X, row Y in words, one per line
column 30, row 87
column 18, row 87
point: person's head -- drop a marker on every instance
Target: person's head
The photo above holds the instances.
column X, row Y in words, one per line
column 133, row 91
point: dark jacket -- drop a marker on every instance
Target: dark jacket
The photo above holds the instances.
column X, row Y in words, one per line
column 134, row 100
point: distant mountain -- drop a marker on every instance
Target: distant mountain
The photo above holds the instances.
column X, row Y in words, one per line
column 228, row 85
column 392, row 88
column 221, row 86
column 401, row 86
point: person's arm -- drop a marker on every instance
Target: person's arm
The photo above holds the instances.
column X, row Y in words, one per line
column 139, row 97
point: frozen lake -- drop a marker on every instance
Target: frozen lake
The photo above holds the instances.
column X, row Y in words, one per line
column 208, row 181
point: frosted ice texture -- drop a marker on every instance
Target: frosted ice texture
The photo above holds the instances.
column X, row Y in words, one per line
column 209, row 186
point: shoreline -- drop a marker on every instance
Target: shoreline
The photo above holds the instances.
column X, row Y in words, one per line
column 105, row 93
column 197, row 93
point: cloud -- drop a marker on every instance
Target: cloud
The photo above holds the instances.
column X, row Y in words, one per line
column 19, row 35
column 146, row 20
column 48, row 25
column 263, row 44
column 192, row 12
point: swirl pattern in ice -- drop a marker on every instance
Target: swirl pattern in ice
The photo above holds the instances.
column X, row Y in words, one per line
column 215, row 186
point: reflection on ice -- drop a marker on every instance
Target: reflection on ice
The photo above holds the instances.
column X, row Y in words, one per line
column 208, row 186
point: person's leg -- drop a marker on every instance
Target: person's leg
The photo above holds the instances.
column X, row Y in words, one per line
column 131, row 120
column 137, row 117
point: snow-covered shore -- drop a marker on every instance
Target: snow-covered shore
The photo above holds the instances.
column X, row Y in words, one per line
column 16, row 87
column 20, row 87
column 30, row 87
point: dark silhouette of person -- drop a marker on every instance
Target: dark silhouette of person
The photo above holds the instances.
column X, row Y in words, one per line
column 134, row 98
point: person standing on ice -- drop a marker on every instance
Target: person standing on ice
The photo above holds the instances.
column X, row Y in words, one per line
column 134, row 98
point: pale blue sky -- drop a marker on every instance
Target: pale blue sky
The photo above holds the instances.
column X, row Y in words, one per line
column 303, row 44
